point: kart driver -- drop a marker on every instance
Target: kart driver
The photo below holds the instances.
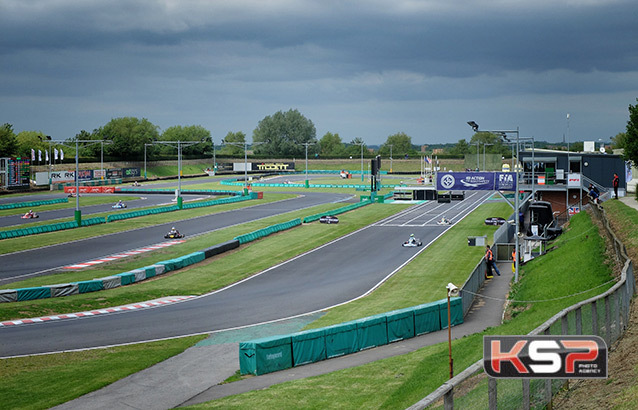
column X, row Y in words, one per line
column 173, row 231
column 119, row 203
column 412, row 239
column 30, row 213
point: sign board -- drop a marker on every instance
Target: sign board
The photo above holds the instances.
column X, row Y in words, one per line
column 275, row 166
column 18, row 172
column 242, row 166
column 476, row 181
column 589, row 146
column 573, row 180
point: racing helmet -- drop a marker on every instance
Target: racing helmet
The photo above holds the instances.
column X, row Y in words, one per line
column 30, row 211
column 411, row 235
column 173, row 228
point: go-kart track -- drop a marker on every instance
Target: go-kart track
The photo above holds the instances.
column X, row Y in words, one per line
column 329, row 275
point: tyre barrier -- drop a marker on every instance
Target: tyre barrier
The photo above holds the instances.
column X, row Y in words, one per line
column 269, row 230
column 15, row 233
column 266, row 355
column 279, row 185
column 337, row 211
column 33, row 204
column 134, row 214
column 172, row 191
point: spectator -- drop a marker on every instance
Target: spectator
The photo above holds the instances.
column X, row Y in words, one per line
column 615, row 182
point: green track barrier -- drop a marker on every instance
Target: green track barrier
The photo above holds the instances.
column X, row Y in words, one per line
column 30, row 204
column 90, row 285
column 308, row 346
column 265, row 355
column 337, row 211
column 33, row 293
column 260, row 233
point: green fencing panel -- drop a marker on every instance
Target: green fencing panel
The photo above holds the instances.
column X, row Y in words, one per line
column 426, row 318
column 33, row 293
column 341, row 339
column 308, row 346
column 265, row 355
column 90, row 286
column 149, row 271
column 127, row 278
column 169, row 265
column 400, row 324
column 456, row 312
column 372, row 331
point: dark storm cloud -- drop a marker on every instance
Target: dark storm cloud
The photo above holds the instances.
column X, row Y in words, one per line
column 109, row 57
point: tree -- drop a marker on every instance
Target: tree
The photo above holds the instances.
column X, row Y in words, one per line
column 234, row 150
column 353, row 149
column 129, row 134
column 461, row 148
column 188, row 134
column 619, row 140
column 8, row 141
column 401, row 145
column 631, row 142
column 282, row 134
column 28, row 140
column 494, row 143
column 331, row 144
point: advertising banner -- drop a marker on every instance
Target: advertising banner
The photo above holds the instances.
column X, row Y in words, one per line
column 573, row 180
column 99, row 173
column 476, row 181
column 275, row 166
column 131, row 172
column 241, row 166
column 90, row 189
column 114, row 173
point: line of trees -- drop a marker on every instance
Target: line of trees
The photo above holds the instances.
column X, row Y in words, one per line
column 281, row 135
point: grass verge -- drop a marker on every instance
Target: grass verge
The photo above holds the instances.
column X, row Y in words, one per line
column 84, row 201
column 398, row 382
column 41, row 382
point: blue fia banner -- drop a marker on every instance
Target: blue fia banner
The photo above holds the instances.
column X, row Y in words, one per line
column 476, row 181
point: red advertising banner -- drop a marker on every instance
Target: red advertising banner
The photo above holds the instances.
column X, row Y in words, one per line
column 90, row 189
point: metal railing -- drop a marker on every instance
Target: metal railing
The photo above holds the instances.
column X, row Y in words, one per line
column 605, row 315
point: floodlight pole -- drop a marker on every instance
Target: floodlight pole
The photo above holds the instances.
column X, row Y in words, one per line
column 390, row 157
column 475, row 127
column 306, row 144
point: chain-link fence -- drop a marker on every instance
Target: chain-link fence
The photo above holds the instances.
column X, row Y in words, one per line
column 605, row 315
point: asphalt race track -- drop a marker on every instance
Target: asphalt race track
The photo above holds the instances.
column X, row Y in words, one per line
column 332, row 274
column 19, row 265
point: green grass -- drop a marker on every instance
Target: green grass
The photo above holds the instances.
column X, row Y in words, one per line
column 398, row 382
column 51, row 238
column 84, row 201
column 204, row 277
column 170, row 170
column 41, row 382
column 391, row 383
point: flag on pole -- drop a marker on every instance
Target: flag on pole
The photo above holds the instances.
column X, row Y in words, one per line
column 39, row 155
column 46, row 154
column 32, row 154
column 61, row 154
column 55, row 153
column 428, row 160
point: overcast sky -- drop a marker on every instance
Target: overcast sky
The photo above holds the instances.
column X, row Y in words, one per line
column 360, row 68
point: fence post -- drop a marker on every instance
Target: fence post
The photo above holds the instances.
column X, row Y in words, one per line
column 448, row 400
column 594, row 318
column 579, row 321
column 492, row 393
column 526, row 400
column 548, row 382
column 608, row 320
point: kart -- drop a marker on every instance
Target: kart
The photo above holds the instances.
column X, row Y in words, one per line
column 444, row 221
column 119, row 206
column 174, row 236
column 30, row 216
column 494, row 221
column 414, row 244
column 329, row 219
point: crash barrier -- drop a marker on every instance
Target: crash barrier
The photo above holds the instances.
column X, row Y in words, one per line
column 32, row 204
column 337, row 211
column 331, row 171
column 220, row 248
column 302, row 185
column 269, row 230
column 606, row 315
column 135, row 214
column 201, row 204
column 90, row 189
column 94, row 182
column 275, row 353
column 14, row 233
column 135, row 190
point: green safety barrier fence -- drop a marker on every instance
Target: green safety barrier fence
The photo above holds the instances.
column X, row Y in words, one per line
column 14, row 233
column 33, row 204
column 213, row 202
column 269, row 230
column 337, row 211
column 284, row 351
